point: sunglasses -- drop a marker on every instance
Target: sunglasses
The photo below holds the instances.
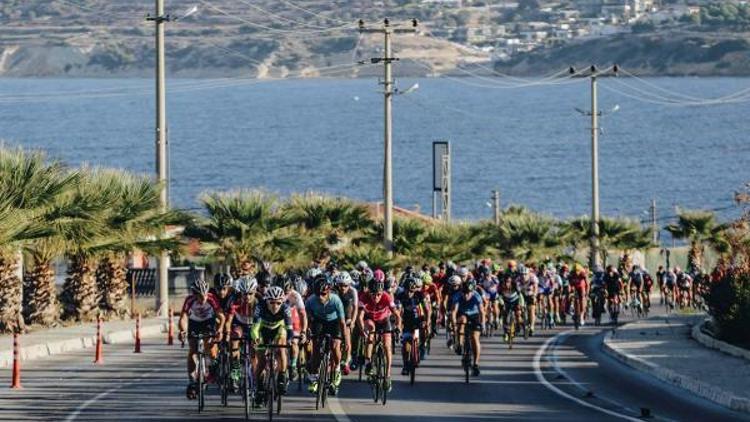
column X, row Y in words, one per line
column 274, row 303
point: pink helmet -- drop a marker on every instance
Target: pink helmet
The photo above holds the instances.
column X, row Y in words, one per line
column 379, row 275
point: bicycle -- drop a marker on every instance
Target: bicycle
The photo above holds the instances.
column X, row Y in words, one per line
column 636, row 307
column 201, row 365
column 224, row 379
column 324, row 376
column 468, row 353
column 273, row 396
column 510, row 324
column 411, row 348
column 597, row 305
column 379, row 380
column 248, row 388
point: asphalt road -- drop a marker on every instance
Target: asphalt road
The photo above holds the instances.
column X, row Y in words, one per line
column 558, row 375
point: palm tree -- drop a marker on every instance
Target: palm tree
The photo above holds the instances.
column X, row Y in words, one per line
column 328, row 223
column 449, row 242
column 28, row 186
column 135, row 221
column 614, row 233
column 242, row 227
column 699, row 228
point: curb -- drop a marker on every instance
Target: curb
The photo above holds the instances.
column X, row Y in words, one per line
column 712, row 343
column 707, row 391
column 42, row 350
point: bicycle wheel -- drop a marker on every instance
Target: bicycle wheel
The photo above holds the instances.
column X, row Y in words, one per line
column 377, row 364
column 413, row 359
column 225, row 379
column 382, row 377
column 511, row 330
column 270, row 389
column 201, row 382
column 327, row 385
column 247, row 395
column 466, row 360
column 322, row 381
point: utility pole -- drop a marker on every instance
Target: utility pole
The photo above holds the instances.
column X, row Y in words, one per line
column 162, row 300
column 593, row 74
column 496, row 206
column 387, row 30
column 654, row 229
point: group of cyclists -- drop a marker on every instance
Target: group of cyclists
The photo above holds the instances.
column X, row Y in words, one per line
column 361, row 307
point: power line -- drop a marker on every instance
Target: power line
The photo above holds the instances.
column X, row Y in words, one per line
column 277, row 16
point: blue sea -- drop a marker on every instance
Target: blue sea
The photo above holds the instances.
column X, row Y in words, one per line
column 327, row 135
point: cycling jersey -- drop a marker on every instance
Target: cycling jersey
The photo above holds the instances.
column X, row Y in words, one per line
column 490, row 285
column 670, row 279
column 431, row 291
column 350, row 302
column 376, row 311
column 241, row 309
column 296, row 306
column 198, row 311
column 414, row 308
column 471, row 306
column 613, row 284
column 226, row 301
column 530, row 285
column 636, row 277
column 270, row 323
column 332, row 310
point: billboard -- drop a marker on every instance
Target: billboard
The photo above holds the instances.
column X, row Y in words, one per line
column 439, row 150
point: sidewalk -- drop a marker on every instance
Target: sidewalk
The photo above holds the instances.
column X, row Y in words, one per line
column 665, row 349
column 53, row 341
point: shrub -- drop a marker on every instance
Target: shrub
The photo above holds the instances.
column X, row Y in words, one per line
column 729, row 304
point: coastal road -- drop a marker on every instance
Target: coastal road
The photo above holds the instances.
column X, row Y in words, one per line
column 558, row 375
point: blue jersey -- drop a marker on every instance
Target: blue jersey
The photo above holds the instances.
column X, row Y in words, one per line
column 471, row 306
column 332, row 310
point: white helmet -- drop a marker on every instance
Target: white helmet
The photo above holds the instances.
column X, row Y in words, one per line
column 247, row 285
column 274, row 293
column 454, row 280
column 200, row 286
column 343, row 278
column 361, row 265
column 312, row 273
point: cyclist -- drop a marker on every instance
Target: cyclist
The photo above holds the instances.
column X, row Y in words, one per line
column 299, row 320
column 579, row 285
column 272, row 324
column 326, row 316
column 613, row 285
column 636, row 285
column 239, row 321
column 415, row 312
column 597, row 295
column 201, row 315
column 432, row 293
column 661, row 275
column 223, row 290
column 468, row 314
column 349, row 299
column 449, row 298
column 530, row 284
column 511, row 301
column 549, row 289
column 670, row 288
column 684, row 283
column 489, row 285
column 376, row 307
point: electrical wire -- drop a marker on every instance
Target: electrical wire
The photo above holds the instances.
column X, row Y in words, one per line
column 277, row 16
column 308, row 11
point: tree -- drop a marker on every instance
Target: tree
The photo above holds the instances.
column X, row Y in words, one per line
column 28, row 186
column 699, row 228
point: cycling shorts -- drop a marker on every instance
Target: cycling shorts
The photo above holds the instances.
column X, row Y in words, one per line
column 201, row 327
column 332, row 328
column 239, row 329
column 530, row 299
column 492, row 296
column 511, row 305
column 472, row 323
column 383, row 326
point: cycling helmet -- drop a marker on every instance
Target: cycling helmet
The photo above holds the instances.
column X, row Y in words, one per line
column 264, row 279
column 483, row 271
column 522, row 269
column 265, row 267
column 463, row 271
column 470, row 286
column 376, row 286
column 246, row 285
column 274, row 293
column 434, row 270
column 410, row 283
column 312, row 273
column 379, row 275
column 361, row 265
column 426, row 279
column 512, row 264
column 367, row 275
column 343, row 278
column 285, row 282
column 322, row 283
column 332, row 267
column 222, row 280
column 420, row 283
column 451, row 266
column 454, row 281
column 356, row 276
column 300, row 285
column 200, row 286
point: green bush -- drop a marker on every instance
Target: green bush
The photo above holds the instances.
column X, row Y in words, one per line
column 729, row 304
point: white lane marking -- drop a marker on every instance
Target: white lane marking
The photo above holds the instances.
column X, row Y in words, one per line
column 540, row 377
column 105, row 393
column 337, row 410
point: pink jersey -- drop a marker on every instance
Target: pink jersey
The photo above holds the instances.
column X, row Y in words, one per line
column 198, row 311
column 376, row 311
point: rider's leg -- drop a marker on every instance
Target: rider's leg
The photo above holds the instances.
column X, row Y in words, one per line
column 476, row 346
column 388, row 353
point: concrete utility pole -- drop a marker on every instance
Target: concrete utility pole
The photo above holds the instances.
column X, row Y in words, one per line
column 654, row 228
column 496, row 206
column 162, row 299
column 387, row 30
column 593, row 74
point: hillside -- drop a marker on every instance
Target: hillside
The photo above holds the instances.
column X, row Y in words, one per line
column 262, row 38
column 665, row 53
